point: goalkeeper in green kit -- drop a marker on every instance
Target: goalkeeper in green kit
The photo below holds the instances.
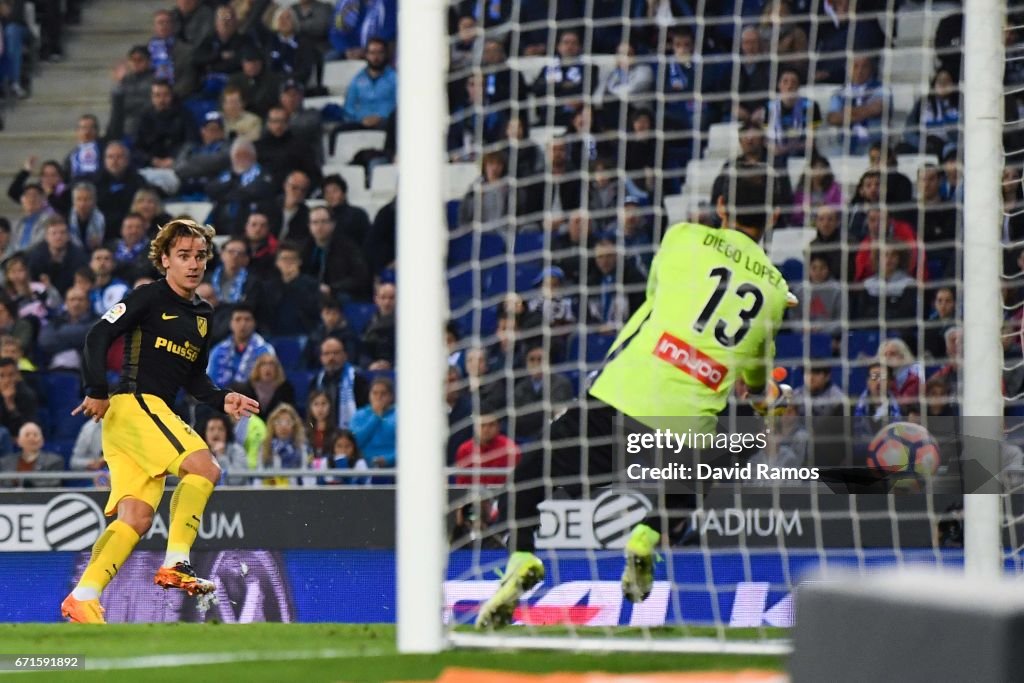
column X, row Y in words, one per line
column 714, row 302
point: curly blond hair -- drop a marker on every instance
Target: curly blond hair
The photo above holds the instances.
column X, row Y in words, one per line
column 169, row 234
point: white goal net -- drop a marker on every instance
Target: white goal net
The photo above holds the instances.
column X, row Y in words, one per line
column 577, row 134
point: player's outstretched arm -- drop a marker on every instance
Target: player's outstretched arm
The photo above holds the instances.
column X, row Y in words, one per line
column 239, row 405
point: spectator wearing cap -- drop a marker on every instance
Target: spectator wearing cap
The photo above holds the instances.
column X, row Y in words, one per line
column 83, row 162
column 240, row 190
column 289, row 52
column 334, row 260
column 351, row 221
column 551, row 309
column 55, row 259
column 163, row 129
column 372, row 94
column 130, row 95
column 636, row 227
column 237, row 121
column 219, row 56
column 280, row 151
column 200, row 162
column 30, row 227
column 259, row 87
column 303, row 121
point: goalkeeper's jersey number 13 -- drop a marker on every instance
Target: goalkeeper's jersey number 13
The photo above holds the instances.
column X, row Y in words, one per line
column 749, row 293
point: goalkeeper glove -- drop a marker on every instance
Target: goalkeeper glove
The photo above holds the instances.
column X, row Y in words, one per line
column 775, row 397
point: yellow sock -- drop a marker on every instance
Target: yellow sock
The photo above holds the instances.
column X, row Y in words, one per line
column 187, row 505
column 112, row 548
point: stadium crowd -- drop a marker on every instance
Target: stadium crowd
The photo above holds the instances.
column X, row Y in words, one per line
column 577, row 168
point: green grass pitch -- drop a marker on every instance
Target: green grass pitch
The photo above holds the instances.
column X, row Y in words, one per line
column 306, row 653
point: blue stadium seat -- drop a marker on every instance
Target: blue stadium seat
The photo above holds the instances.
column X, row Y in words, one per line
column 460, row 250
column 460, row 289
column 63, row 393
column 289, row 351
column 359, row 315
column 452, row 213
column 529, row 242
column 300, row 380
column 474, row 247
column 495, row 280
column 480, row 321
column 857, row 382
column 792, row 270
column 791, row 346
column 595, row 347
column 491, row 245
column 862, row 344
column 526, row 273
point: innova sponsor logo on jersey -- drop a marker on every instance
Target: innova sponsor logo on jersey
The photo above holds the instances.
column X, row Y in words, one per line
column 69, row 521
column 691, row 360
column 604, row 522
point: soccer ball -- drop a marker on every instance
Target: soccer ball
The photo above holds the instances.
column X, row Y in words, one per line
column 904, row 448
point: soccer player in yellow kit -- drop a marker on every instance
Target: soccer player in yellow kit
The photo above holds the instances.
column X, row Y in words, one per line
column 714, row 303
column 166, row 348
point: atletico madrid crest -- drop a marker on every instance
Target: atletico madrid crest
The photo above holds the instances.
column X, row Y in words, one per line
column 201, row 322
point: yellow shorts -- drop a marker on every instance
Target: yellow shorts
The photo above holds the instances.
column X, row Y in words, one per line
column 142, row 441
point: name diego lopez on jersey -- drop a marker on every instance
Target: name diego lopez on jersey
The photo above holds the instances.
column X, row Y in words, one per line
column 754, row 267
column 188, row 351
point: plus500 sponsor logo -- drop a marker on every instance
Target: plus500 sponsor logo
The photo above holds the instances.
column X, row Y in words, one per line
column 600, row 603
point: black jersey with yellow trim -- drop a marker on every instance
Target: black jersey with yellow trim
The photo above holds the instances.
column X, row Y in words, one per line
column 167, row 346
